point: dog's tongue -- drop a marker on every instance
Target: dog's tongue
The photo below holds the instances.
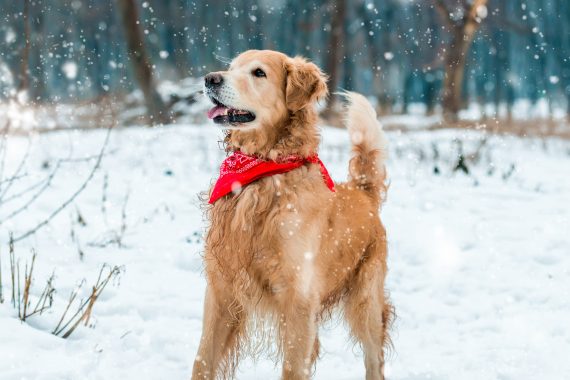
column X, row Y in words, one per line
column 216, row 111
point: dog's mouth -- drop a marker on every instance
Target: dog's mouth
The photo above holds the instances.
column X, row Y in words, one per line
column 222, row 114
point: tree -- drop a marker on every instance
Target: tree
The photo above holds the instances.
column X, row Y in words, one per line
column 140, row 61
column 463, row 19
column 24, row 75
column 336, row 47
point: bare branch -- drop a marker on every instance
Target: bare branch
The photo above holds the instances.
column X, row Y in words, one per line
column 3, row 149
column 18, row 279
column 12, row 269
column 47, row 294
column 444, row 12
column 473, row 11
column 114, row 236
column 16, row 173
column 44, row 183
column 74, row 195
column 104, row 197
column 71, row 299
column 13, row 178
column 1, row 293
column 30, row 201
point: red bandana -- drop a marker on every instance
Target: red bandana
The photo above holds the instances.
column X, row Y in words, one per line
column 240, row 169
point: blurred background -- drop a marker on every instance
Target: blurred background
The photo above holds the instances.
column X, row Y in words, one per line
column 105, row 147
column 493, row 58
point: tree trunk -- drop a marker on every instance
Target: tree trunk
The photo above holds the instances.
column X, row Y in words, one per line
column 455, row 59
column 140, row 61
column 371, row 46
column 454, row 71
column 568, row 105
column 336, row 47
column 24, row 75
column 462, row 34
column 37, row 65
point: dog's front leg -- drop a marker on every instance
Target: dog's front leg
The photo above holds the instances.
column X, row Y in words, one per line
column 223, row 324
column 298, row 335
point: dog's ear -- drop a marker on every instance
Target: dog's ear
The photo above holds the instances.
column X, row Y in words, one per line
column 306, row 84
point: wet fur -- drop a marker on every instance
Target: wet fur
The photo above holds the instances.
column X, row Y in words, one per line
column 286, row 251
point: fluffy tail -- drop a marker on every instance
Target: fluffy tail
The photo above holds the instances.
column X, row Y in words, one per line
column 369, row 145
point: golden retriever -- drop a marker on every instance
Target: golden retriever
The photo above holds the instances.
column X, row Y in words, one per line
column 285, row 250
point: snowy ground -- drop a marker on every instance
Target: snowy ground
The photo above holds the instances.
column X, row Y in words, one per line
column 479, row 263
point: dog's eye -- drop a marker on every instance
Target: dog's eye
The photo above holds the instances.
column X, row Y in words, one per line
column 259, row 73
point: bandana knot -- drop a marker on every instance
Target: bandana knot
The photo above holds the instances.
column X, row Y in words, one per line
column 239, row 170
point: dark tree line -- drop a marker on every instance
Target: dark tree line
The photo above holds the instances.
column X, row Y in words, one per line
column 446, row 52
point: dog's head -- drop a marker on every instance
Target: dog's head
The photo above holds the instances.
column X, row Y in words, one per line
column 263, row 91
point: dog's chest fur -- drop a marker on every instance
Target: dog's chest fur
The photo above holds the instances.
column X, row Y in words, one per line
column 267, row 236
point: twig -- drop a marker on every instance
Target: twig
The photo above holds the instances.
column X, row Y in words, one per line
column 26, row 190
column 3, row 149
column 123, row 219
column 27, row 285
column 80, row 219
column 74, row 236
column 88, row 311
column 1, row 293
column 71, row 299
column 33, row 198
column 12, row 270
column 16, row 173
column 18, row 279
column 47, row 294
column 84, row 311
column 104, row 197
column 13, row 178
column 114, row 236
column 80, row 159
column 444, row 12
column 73, row 196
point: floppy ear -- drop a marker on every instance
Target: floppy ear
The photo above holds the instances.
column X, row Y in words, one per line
column 306, row 84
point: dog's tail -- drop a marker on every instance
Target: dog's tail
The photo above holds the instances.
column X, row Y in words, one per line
column 369, row 145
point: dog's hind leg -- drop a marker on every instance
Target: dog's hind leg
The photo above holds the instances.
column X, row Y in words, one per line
column 368, row 312
column 223, row 327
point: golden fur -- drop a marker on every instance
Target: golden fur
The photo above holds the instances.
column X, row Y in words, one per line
column 285, row 251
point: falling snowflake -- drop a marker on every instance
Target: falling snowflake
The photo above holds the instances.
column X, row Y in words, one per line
column 70, row 69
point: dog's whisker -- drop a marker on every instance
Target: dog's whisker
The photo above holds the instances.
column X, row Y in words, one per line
column 222, row 59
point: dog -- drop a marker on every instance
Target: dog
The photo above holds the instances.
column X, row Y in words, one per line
column 286, row 246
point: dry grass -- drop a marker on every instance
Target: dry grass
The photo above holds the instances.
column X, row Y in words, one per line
column 523, row 128
column 543, row 127
column 66, row 327
column 22, row 289
column 21, row 300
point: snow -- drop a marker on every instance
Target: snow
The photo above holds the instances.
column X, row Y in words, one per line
column 479, row 264
column 70, row 69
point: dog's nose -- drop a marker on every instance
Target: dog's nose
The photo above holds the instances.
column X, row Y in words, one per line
column 214, row 80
